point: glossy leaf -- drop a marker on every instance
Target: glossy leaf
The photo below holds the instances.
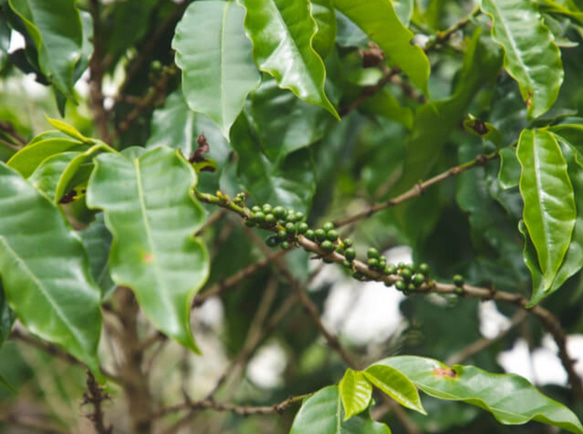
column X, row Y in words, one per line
column 435, row 122
column 282, row 32
column 31, row 156
column 564, row 8
column 531, row 56
column 509, row 175
column 355, row 392
column 378, row 19
column 149, row 209
column 70, row 131
column 56, row 30
column 396, row 385
column 215, row 57
column 511, row 399
column 572, row 135
column 97, row 241
column 46, row 176
column 322, row 413
column 549, row 204
column 289, row 182
column 323, row 14
column 45, row 270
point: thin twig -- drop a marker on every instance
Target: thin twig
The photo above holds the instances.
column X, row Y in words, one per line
column 95, row 396
column 31, row 424
column 9, row 129
column 370, row 91
column 444, row 36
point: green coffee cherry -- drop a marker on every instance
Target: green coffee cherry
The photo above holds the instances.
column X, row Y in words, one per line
column 400, row 285
column 347, row 242
column 256, row 209
column 411, row 287
column 418, row 279
column 279, row 212
column 332, row 235
column 303, row 227
column 406, row 274
column 401, row 265
column 459, row 290
column 259, row 217
column 372, row 253
column 327, row 246
column 328, row 226
column 347, row 264
column 424, row 268
column 373, row 263
column 298, row 216
column 267, row 208
column 291, row 229
column 458, row 280
column 270, row 219
column 391, row 269
column 272, row 241
column 320, row 234
column 285, row 245
column 310, row 234
column 357, row 275
column 350, row 254
column 282, row 235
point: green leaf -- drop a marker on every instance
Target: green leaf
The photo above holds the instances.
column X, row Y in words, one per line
column 7, row 317
column 97, row 241
column 322, row 413
column 45, row 270
column 565, row 8
column 435, row 122
column 215, row 57
column 549, row 204
column 55, row 28
column 70, row 131
column 384, row 104
column 572, row 135
column 404, row 10
column 531, row 56
column 509, row 175
column 32, row 155
column 46, row 176
column 323, row 14
column 511, row 399
column 378, row 19
column 290, row 182
column 282, row 33
column 396, row 385
column 152, row 215
column 356, row 393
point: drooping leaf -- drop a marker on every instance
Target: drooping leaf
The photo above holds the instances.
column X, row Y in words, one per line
column 152, row 215
column 32, row 155
column 549, row 204
column 396, row 385
column 46, row 176
column 290, row 182
column 45, row 270
column 511, row 399
column 215, row 57
column 378, row 19
column 325, row 17
column 282, row 32
column 434, row 122
column 322, row 413
column 355, row 392
column 97, row 241
column 531, row 55
column 55, row 27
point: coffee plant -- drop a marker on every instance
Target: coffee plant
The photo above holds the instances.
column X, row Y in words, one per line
column 186, row 185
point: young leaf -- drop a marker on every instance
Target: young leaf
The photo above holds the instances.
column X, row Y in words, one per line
column 531, row 56
column 282, row 33
column 355, row 391
column 56, row 30
column 322, row 413
column 45, row 270
column 67, row 129
column 46, row 176
column 511, row 399
column 215, row 57
column 549, row 203
column 378, row 19
column 396, row 385
column 152, row 215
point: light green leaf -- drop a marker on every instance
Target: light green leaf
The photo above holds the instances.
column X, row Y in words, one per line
column 32, row 155
column 70, row 131
column 325, row 17
column 404, row 10
column 46, row 176
column 290, row 182
column 377, row 18
column 45, row 270
column 322, row 413
column 396, row 385
column 215, row 57
column 511, row 399
column 55, row 27
column 355, row 391
column 282, row 32
column 97, row 241
column 549, row 204
column 152, row 215
column 531, row 56
column 565, row 8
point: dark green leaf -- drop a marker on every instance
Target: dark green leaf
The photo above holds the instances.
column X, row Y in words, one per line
column 322, row 413
column 531, row 56
column 355, row 392
column 384, row 104
column 97, row 241
column 377, row 18
column 572, row 135
column 511, row 399
column 509, row 176
column 325, row 17
column 46, row 176
column 282, row 32
column 150, row 211
column 549, row 204
column 45, row 270
column 215, row 57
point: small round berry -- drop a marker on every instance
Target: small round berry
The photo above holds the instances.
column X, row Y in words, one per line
column 309, row 234
column 458, row 280
column 291, row 229
column 282, row 235
column 411, row 287
column 266, row 208
column 390, row 269
column 350, row 254
column 270, row 219
column 256, row 209
column 418, row 279
column 328, row 226
column 332, row 235
column 279, row 212
column 347, row 242
column 320, row 234
column 400, row 285
column 259, row 217
column 285, row 245
column 272, row 241
column 357, row 275
column 303, row 227
column 290, row 217
column 347, row 264
column 401, row 265
column 424, row 268
column 372, row 253
column 298, row 216
column 327, row 246
column 373, row 263
column 406, row 274
column 382, row 262
column 459, row 290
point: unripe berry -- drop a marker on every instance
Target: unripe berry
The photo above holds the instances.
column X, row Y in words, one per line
column 327, row 246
